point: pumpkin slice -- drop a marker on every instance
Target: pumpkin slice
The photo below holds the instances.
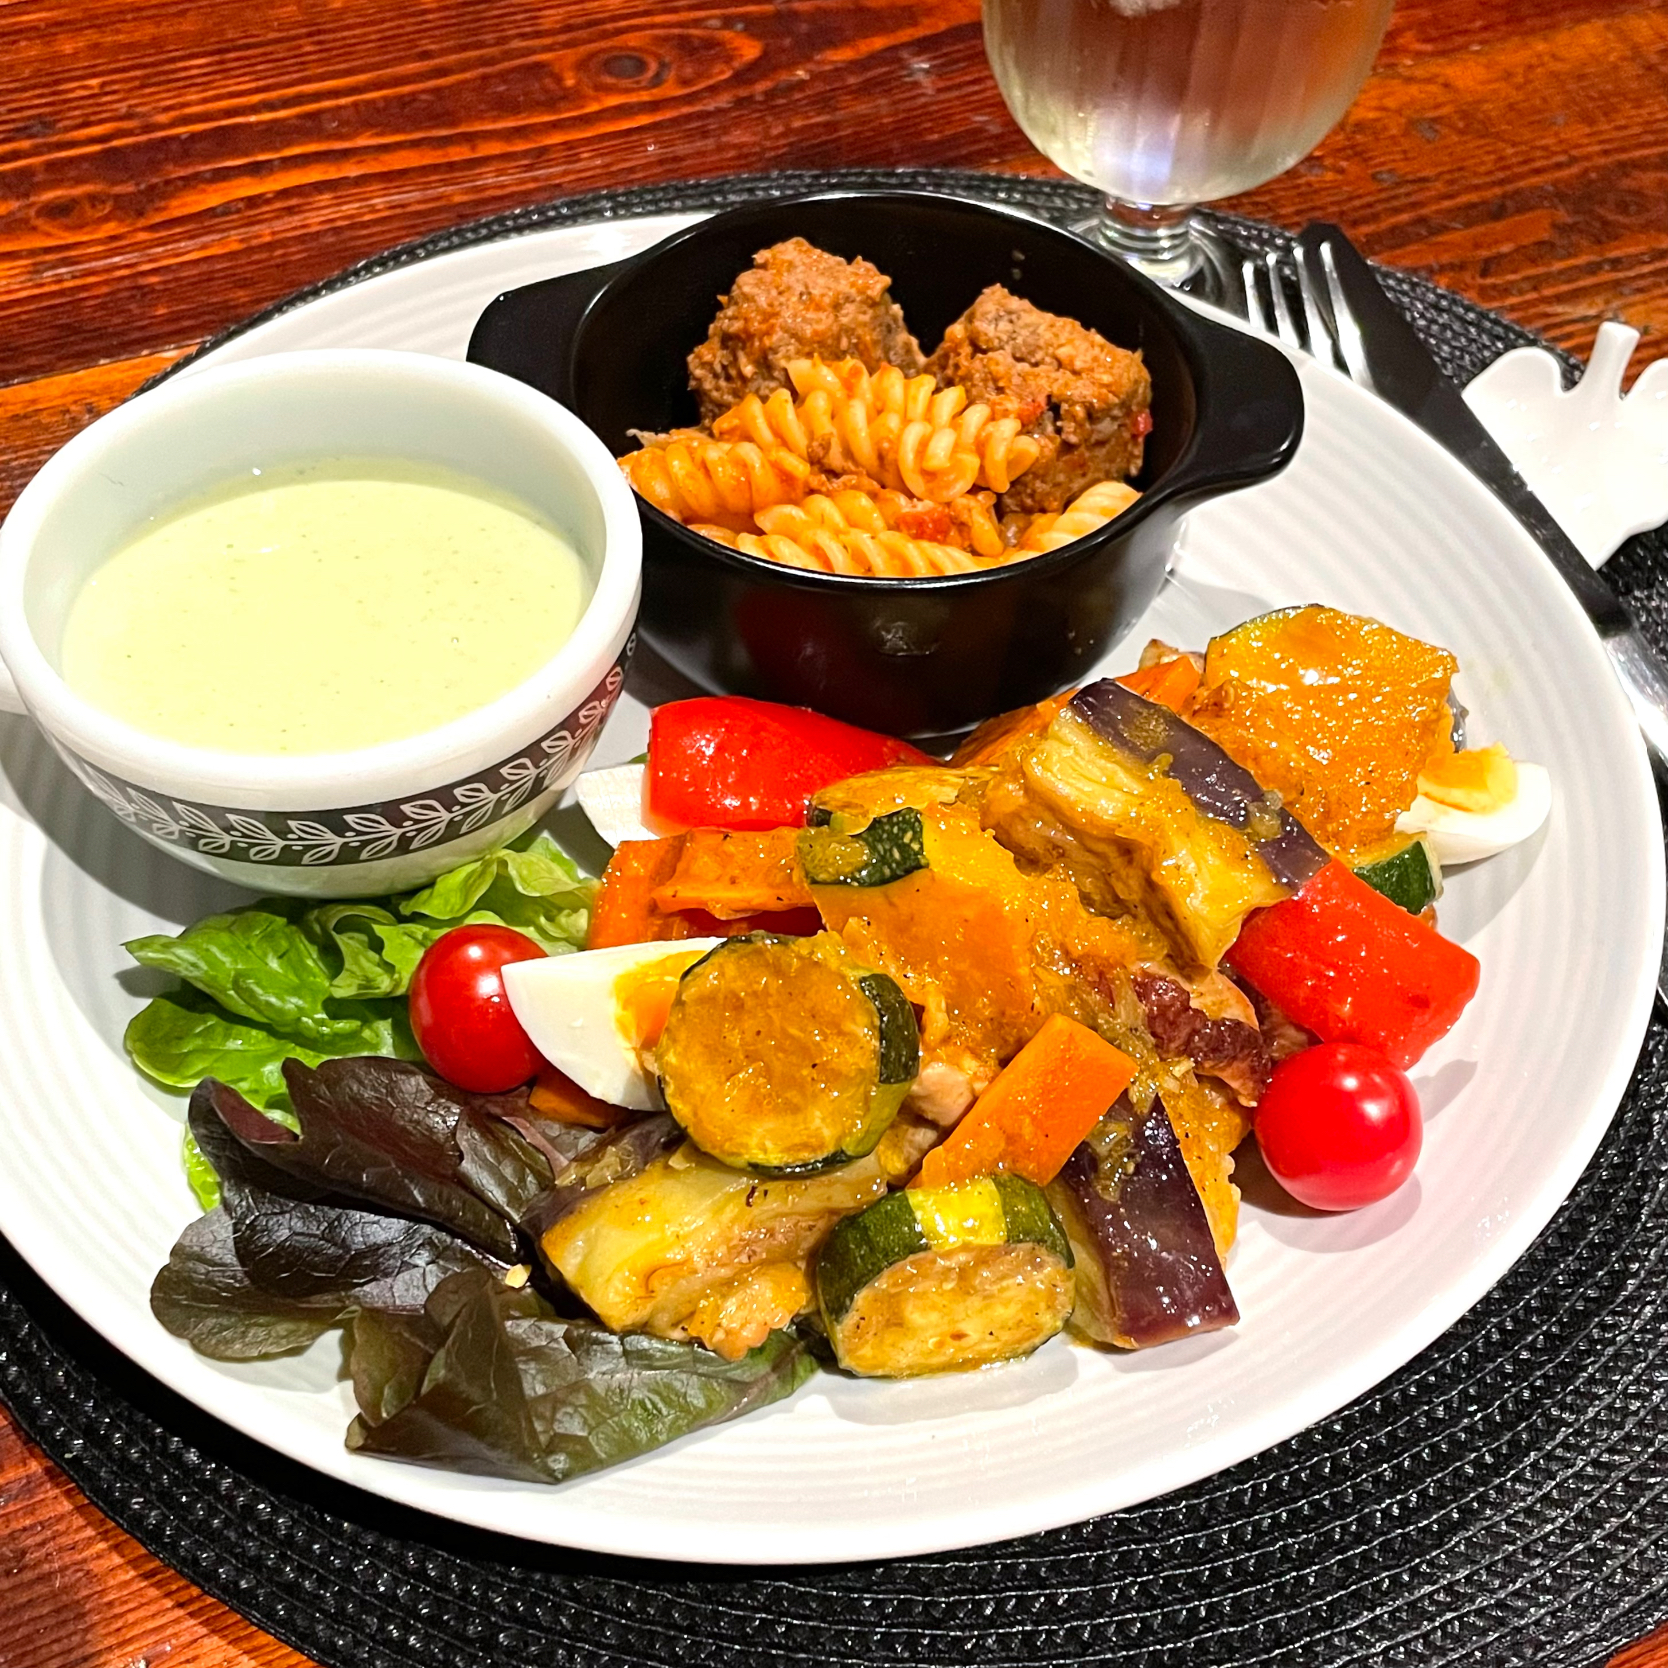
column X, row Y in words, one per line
column 1336, row 712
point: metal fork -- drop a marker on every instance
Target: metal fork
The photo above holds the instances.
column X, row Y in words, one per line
column 1328, row 330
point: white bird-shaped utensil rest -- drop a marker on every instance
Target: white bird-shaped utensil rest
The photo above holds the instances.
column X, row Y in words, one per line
column 1597, row 459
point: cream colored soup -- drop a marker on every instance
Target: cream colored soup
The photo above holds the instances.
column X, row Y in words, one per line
column 323, row 608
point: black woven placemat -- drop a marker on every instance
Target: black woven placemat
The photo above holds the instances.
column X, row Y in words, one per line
column 1501, row 1500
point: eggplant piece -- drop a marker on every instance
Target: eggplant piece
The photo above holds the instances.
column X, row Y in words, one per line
column 692, row 1248
column 1219, row 788
column 1131, row 839
column 599, row 1158
column 1147, row 1268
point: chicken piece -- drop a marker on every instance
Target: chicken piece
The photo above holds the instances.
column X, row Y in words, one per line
column 797, row 302
column 1085, row 400
column 941, row 1093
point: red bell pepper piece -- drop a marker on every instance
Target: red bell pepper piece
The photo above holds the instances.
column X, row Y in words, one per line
column 1351, row 966
column 723, row 761
column 785, row 923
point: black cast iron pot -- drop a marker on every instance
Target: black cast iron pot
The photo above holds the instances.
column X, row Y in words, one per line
column 909, row 656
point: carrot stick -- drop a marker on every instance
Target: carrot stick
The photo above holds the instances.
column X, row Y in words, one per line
column 624, row 911
column 557, row 1096
column 1170, row 683
column 1031, row 1119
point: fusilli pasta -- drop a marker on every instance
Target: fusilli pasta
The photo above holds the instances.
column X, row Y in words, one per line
column 904, row 433
column 1091, row 508
column 826, row 549
column 725, row 482
column 861, row 473
column 968, row 522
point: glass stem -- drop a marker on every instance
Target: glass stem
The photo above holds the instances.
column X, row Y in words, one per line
column 1158, row 238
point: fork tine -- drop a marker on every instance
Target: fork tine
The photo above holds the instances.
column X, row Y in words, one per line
column 1350, row 345
column 1255, row 312
column 1321, row 342
column 1284, row 323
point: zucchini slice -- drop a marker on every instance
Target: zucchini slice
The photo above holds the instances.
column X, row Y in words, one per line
column 1411, row 877
column 785, row 1055
column 884, row 850
column 938, row 1280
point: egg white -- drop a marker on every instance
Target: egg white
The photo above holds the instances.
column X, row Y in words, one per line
column 567, row 1006
column 1468, row 836
column 613, row 800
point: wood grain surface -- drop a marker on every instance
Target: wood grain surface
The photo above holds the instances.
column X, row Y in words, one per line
column 168, row 166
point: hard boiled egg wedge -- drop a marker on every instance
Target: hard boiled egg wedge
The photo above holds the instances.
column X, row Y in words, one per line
column 1466, row 836
column 613, row 800
column 596, row 1014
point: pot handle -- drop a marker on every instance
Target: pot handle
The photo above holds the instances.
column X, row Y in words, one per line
column 10, row 700
column 1250, row 412
column 529, row 333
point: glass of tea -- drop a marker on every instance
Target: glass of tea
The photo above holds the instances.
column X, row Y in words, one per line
column 1166, row 104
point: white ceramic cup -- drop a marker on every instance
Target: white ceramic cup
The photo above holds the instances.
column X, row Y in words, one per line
column 353, row 824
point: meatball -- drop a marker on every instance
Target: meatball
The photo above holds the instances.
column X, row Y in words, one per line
column 797, row 301
column 1085, row 400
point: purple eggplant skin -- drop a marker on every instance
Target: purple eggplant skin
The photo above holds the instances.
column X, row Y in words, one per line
column 1148, row 1272
column 612, row 1156
column 1219, row 788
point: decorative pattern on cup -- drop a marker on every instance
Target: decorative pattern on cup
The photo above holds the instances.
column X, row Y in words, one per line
column 365, row 833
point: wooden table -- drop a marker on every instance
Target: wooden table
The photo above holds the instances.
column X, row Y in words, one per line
column 168, row 166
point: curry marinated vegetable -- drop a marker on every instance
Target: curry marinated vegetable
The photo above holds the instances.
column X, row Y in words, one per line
column 884, row 850
column 854, row 1056
column 935, row 1280
column 786, row 1055
column 1409, row 875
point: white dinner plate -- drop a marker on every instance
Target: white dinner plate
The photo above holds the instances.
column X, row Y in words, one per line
column 1372, row 517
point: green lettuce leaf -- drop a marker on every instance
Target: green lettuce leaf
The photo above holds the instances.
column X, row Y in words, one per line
column 279, row 980
column 256, row 963
column 203, row 1177
column 375, row 952
column 301, row 971
column 182, row 1037
column 491, row 1380
column 537, row 890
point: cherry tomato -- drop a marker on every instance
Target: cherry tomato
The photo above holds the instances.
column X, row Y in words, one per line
column 460, row 1015
column 1339, row 1126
